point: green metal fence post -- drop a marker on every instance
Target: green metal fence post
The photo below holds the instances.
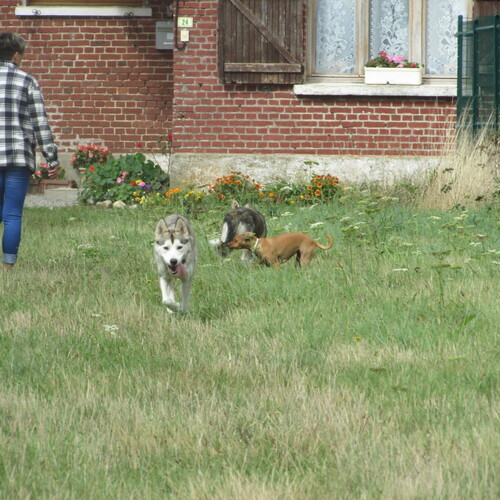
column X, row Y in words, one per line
column 460, row 65
column 475, row 79
column 496, row 39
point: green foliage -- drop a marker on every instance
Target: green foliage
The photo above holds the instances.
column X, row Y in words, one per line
column 284, row 191
column 236, row 186
column 42, row 172
column 382, row 60
column 129, row 178
column 89, row 154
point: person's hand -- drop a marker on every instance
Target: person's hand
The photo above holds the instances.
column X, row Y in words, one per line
column 54, row 169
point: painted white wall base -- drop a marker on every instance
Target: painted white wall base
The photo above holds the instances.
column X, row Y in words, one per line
column 201, row 169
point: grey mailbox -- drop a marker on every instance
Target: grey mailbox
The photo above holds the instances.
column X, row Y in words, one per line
column 165, row 35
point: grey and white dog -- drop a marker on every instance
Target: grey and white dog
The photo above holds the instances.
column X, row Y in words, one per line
column 176, row 255
column 239, row 220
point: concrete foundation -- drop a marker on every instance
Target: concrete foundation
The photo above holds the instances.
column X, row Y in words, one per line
column 200, row 170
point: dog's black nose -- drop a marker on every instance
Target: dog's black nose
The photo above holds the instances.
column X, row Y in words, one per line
column 173, row 262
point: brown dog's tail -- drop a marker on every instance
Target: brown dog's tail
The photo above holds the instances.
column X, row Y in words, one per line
column 330, row 239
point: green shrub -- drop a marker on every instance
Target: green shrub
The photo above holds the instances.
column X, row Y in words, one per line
column 236, row 186
column 128, row 178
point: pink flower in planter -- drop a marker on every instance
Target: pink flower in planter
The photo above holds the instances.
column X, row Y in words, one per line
column 396, row 59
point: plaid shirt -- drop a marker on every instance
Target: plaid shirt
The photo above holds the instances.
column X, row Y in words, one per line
column 23, row 120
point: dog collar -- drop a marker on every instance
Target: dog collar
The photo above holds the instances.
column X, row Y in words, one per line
column 256, row 243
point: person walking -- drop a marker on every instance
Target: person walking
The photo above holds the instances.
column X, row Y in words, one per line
column 23, row 125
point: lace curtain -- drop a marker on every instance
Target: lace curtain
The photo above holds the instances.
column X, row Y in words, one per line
column 441, row 24
column 389, row 21
column 335, row 36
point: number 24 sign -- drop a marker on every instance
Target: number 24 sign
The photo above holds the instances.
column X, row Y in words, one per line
column 184, row 22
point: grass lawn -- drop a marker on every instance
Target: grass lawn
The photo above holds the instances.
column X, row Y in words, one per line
column 371, row 374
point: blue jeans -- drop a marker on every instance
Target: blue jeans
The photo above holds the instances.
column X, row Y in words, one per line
column 13, row 187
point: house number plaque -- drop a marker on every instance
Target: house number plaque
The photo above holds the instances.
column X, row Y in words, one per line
column 184, row 22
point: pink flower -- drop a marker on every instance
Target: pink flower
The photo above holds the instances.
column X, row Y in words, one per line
column 119, row 180
column 141, row 184
column 124, row 174
column 139, row 144
column 396, row 59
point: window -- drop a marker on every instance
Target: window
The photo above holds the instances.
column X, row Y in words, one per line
column 345, row 34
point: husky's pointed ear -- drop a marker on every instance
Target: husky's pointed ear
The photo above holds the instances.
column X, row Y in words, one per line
column 161, row 229
column 180, row 226
column 235, row 204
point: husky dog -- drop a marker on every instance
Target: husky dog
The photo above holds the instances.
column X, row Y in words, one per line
column 176, row 254
column 237, row 221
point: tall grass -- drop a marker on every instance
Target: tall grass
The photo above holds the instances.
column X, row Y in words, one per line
column 468, row 173
column 371, row 374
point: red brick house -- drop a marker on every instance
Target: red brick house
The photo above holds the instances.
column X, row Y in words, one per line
column 260, row 86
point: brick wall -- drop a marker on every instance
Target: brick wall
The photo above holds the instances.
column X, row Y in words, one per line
column 210, row 117
column 105, row 82
column 102, row 78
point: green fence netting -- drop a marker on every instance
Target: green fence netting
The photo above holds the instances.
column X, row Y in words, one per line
column 478, row 82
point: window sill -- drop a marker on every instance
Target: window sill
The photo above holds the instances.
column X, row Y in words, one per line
column 40, row 10
column 360, row 89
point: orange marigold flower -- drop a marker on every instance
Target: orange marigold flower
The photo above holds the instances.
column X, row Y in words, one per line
column 176, row 190
column 221, row 196
column 271, row 195
column 317, row 192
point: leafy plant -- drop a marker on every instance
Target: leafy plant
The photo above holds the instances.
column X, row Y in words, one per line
column 42, row 172
column 127, row 178
column 236, row 186
column 283, row 191
column 385, row 61
column 89, row 155
column 325, row 187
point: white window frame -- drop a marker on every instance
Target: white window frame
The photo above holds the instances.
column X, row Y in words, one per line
column 417, row 44
column 81, row 11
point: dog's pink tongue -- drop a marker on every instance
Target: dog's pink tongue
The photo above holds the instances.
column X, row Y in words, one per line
column 181, row 270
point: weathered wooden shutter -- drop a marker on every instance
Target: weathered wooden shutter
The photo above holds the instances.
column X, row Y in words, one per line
column 486, row 8
column 261, row 41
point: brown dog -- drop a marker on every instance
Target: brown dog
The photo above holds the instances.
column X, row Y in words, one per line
column 277, row 249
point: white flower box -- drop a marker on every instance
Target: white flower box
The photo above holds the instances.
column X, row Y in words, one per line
column 393, row 76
